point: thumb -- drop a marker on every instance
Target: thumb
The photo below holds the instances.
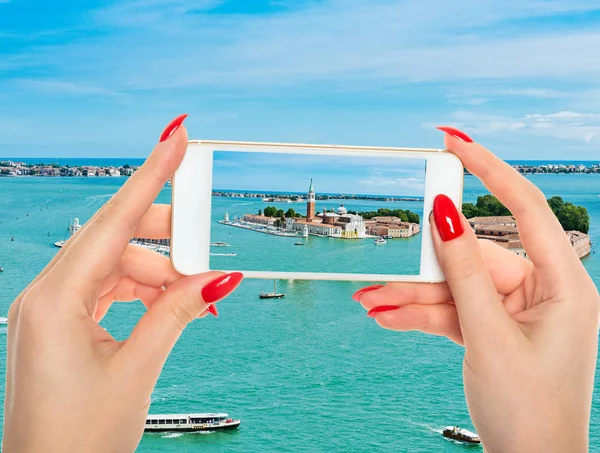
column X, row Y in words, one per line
column 153, row 338
column 482, row 316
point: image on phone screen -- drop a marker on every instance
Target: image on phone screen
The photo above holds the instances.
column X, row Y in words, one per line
column 316, row 213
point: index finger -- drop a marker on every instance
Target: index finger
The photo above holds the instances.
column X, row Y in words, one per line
column 540, row 231
column 105, row 239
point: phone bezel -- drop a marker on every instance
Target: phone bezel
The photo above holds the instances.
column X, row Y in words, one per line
column 192, row 192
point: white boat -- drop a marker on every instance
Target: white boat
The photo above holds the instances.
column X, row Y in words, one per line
column 461, row 434
column 223, row 254
column 73, row 228
column 188, row 423
column 380, row 241
column 219, row 244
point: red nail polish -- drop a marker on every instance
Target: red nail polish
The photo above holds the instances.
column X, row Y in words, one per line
column 456, row 133
column 447, row 218
column 373, row 311
column 366, row 289
column 220, row 287
column 212, row 309
column 172, row 127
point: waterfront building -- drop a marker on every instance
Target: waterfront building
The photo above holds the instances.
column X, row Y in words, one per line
column 338, row 224
column 503, row 231
column 580, row 242
column 391, row 227
column 259, row 219
column 395, row 230
column 317, row 228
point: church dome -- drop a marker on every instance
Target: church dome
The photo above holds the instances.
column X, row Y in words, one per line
column 341, row 210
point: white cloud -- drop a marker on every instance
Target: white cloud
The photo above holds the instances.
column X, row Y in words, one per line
column 398, row 184
column 163, row 44
column 564, row 125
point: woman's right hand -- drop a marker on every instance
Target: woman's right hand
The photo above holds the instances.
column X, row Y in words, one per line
column 530, row 329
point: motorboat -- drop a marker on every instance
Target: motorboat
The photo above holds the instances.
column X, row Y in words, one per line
column 298, row 243
column 461, row 434
column 380, row 241
column 273, row 295
column 188, row 423
column 219, row 244
column 223, row 254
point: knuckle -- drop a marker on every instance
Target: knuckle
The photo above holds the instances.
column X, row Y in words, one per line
column 462, row 267
column 182, row 314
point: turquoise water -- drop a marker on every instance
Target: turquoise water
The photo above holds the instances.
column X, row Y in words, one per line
column 262, row 252
column 309, row 373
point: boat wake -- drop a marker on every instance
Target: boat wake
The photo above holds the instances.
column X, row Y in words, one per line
column 426, row 426
column 99, row 197
column 172, row 435
column 3, row 320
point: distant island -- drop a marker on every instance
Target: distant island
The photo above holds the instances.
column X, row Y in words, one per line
column 555, row 169
column 10, row 168
column 336, row 223
column 299, row 198
column 16, row 168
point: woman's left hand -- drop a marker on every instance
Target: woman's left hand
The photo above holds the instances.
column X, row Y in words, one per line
column 71, row 387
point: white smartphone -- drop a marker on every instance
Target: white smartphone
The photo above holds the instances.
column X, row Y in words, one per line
column 325, row 212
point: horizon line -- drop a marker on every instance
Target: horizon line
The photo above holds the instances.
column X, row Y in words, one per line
column 123, row 158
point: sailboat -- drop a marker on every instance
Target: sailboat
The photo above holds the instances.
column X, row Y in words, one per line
column 273, row 295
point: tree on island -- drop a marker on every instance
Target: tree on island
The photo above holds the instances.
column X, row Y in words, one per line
column 402, row 214
column 270, row 211
column 570, row 216
column 290, row 213
column 260, row 212
column 486, row 206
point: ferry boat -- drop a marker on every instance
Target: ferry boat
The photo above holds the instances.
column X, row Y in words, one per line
column 460, row 434
column 158, row 245
column 380, row 240
column 188, row 423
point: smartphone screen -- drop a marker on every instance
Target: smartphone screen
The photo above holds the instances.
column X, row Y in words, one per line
column 285, row 212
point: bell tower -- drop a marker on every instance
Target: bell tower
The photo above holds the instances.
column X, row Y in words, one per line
column 310, row 204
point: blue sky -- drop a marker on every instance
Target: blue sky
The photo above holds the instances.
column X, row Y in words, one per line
column 90, row 78
column 330, row 174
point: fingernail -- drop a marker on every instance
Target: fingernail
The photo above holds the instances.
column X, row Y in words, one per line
column 212, row 309
column 373, row 311
column 446, row 218
column 366, row 289
column 172, row 127
column 456, row 133
column 220, row 287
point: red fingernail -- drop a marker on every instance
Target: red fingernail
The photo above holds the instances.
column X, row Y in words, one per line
column 446, row 218
column 373, row 311
column 212, row 309
column 456, row 133
column 221, row 286
column 172, row 127
column 366, row 289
